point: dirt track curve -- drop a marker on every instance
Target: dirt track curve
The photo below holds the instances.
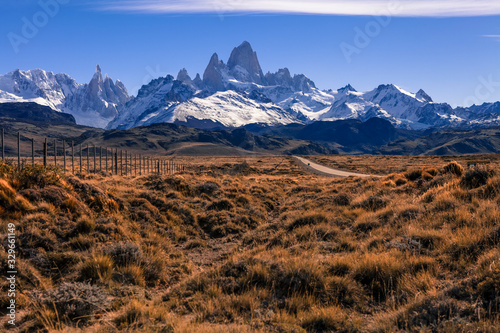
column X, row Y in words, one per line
column 326, row 171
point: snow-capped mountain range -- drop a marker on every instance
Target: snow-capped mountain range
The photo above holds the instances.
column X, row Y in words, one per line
column 93, row 104
column 232, row 95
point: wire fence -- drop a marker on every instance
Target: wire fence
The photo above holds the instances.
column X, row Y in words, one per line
column 87, row 158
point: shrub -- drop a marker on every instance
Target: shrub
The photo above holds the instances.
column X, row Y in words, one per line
column 432, row 312
column 432, row 171
column 339, row 266
column 332, row 319
column 76, row 300
column 84, row 225
column 489, row 278
column 365, row 225
column 312, row 219
column 373, row 203
column 341, row 200
column 153, row 268
column 475, row 178
column 297, row 276
column 218, row 224
column 413, row 175
column 133, row 313
column 37, row 176
column 409, row 213
column 130, row 274
column 344, row 291
column 93, row 196
column 124, row 253
column 34, row 238
column 220, row 205
column 175, row 183
column 453, row 168
column 98, row 268
column 400, row 181
column 62, row 262
column 81, row 242
column 207, row 188
column 379, row 273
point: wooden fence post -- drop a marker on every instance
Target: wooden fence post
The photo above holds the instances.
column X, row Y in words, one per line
column 116, row 161
column 100, row 158
column 55, row 152
column 126, row 154
column 19, row 150
column 45, row 153
column 88, row 159
column 73, row 156
column 32, row 152
column 81, row 153
column 3, row 146
column 106, row 148
column 64, row 155
column 95, row 165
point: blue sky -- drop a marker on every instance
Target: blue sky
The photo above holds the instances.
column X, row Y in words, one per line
column 451, row 49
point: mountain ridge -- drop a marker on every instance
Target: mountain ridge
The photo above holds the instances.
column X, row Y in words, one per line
column 235, row 94
column 93, row 104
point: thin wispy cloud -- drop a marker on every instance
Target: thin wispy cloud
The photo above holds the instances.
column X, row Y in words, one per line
column 497, row 37
column 423, row 8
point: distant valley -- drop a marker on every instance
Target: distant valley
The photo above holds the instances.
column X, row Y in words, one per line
column 373, row 136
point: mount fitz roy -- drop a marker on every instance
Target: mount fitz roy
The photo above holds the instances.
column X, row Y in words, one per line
column 235, row 94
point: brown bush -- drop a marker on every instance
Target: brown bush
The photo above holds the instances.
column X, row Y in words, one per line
column 453, row 168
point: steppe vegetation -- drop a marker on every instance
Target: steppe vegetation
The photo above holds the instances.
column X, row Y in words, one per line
column 258, row 245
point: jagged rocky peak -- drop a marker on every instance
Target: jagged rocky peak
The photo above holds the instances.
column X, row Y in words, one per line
column 386, row 87
column 422, row 95
column 97, row 83
column 280, row 78
column 244, row 64
column 212, row 78
column 198, row 82
column 302, row 83
column 184, row 77
column 347, row 88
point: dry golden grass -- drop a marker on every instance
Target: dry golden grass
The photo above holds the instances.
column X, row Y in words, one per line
column 255, row 244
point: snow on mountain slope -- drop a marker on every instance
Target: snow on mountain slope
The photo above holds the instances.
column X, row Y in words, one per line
column 273, row 98
column 37, row 84
column 93, row 104
column 152, row 101
column 169, row 100
column 234, row 94
column 231, row 109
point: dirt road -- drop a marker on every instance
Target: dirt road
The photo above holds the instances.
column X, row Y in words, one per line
column 326, row 171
